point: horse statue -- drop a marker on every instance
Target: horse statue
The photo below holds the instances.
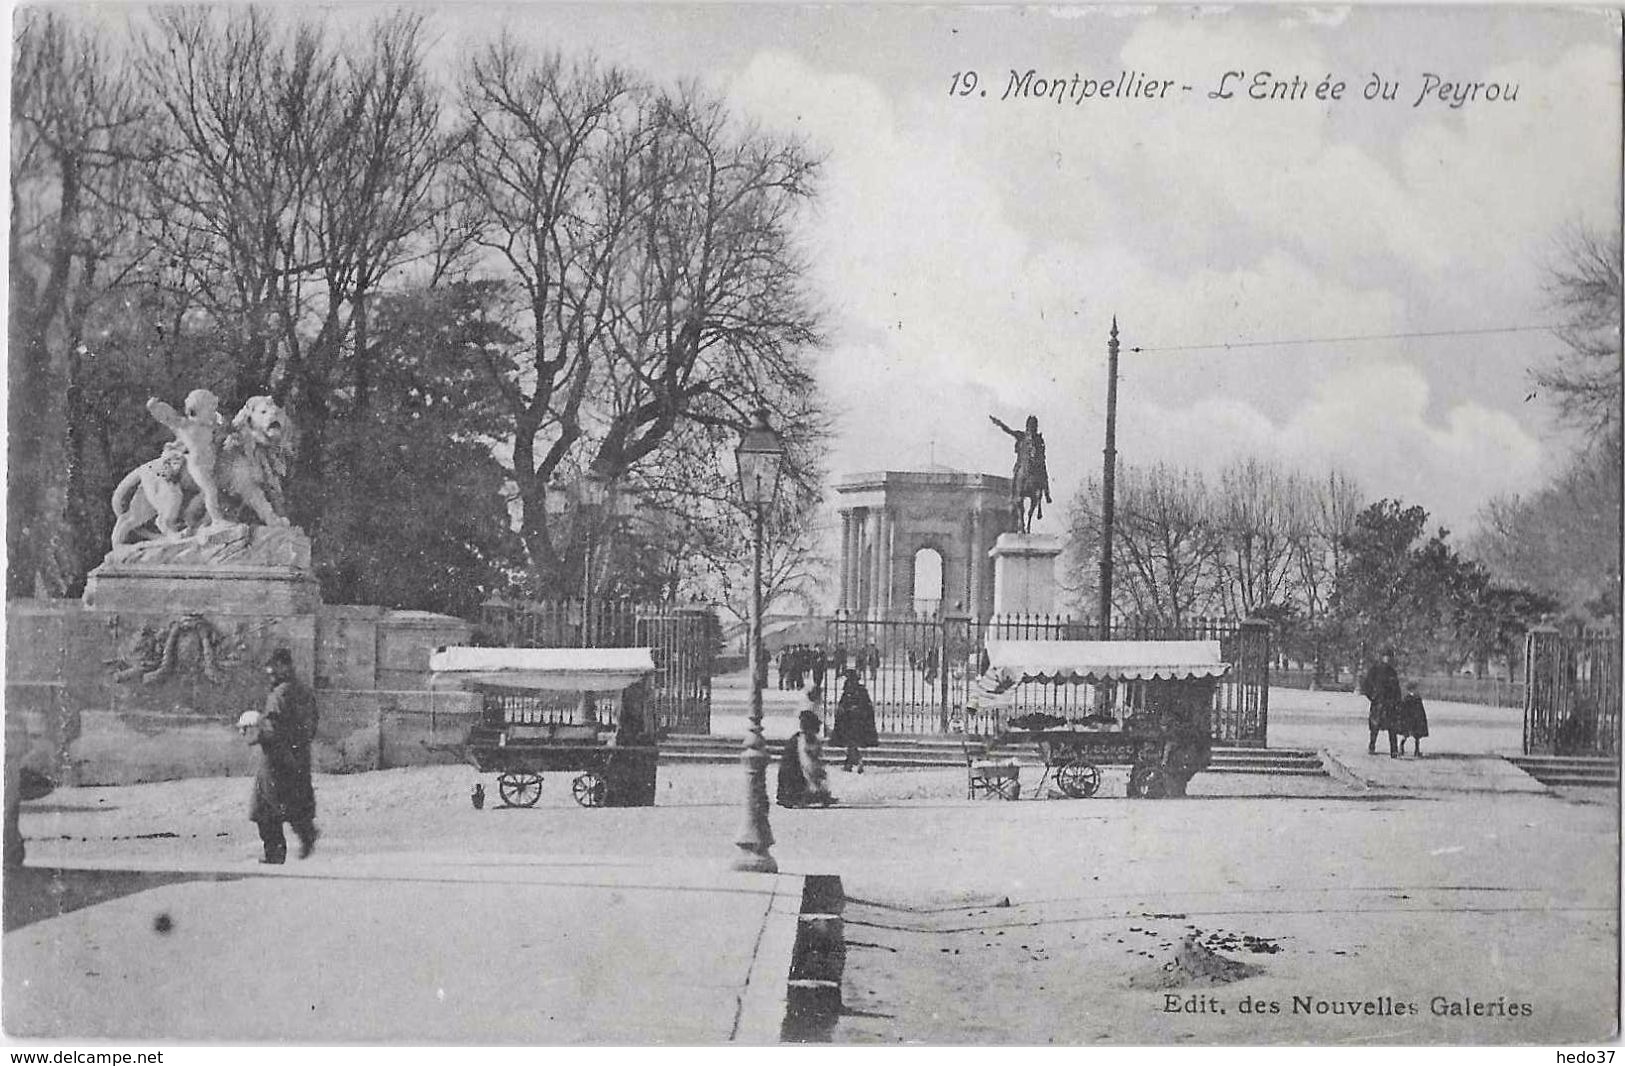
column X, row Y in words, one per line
column 1029, row 481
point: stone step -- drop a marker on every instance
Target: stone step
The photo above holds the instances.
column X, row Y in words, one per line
column 952, row 747
column 720, row 750
column 1566, row 762
column 1559, row 770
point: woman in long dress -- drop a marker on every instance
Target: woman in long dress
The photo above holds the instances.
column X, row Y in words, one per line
column 854, row 722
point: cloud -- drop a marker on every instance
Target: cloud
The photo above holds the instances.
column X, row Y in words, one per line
column 972, row 261
column 1370, row 421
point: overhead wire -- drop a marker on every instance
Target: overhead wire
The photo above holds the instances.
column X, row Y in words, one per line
column 1354, row 338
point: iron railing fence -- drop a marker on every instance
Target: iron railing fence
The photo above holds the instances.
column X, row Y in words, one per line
column 921, row 672
column 684, row 640
column 1572, row 693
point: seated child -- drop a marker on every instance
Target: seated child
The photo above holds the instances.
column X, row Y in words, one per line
column 803, row 781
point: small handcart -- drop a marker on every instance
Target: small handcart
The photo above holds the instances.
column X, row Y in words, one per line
column 1150, row 709
column 559, row 710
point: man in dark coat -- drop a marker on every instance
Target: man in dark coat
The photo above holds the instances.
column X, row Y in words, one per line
column 282, row 788
column 1381, row 686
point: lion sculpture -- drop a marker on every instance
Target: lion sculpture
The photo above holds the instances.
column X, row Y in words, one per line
column 253, row 461
column 151, row 493
column 249, row 467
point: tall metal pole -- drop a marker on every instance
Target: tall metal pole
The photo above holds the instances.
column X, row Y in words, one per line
column 1108, row 488
column 586, row 585
column 756, row 838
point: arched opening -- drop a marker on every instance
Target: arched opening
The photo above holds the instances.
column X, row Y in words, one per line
column 927, row 582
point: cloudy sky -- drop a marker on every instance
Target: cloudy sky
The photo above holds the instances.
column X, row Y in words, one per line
column 971, row 250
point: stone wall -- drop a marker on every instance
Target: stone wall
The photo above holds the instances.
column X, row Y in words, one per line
column 103, row 697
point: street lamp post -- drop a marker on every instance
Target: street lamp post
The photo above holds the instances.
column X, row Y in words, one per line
column 760, row 457
column 591, row 491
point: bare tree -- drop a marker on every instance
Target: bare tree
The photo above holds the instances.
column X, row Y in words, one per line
column 1585, row 377
column 292, row 176
column 545, row 169
column 1165, row 544
column 650, row 240
column 1255, row 524
column 1324, row 514
column 78, row 122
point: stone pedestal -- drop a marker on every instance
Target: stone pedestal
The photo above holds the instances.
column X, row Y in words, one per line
column 230, row 569
column 1024, row 573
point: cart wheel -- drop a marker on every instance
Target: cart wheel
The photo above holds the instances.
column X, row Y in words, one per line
column 1080, row 780
column 589, row 789
column 519, row 789
column 1147, row 782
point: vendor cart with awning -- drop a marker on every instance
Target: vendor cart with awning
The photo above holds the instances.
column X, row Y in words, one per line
column 1151, row 709
column 545, row 710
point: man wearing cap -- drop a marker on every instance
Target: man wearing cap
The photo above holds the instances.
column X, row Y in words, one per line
column 282, row 788
column 1381, row 686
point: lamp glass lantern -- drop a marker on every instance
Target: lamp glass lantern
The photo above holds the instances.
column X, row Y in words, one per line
column 593, row 490
column 760, row 457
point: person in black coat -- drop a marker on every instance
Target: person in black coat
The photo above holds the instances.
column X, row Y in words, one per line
column 854, row 722
column 802, row 781
column 1413, row 719
column 1381, row 686
column 282, row 786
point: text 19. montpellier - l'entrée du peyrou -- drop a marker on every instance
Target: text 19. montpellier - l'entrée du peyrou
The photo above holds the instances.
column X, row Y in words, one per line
column 1427, row 88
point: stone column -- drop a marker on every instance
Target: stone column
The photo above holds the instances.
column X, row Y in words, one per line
column 888, row 602
column 978, row 557
column 860, row 584
column 877, row 593
column 845, row 559
column 969, row 576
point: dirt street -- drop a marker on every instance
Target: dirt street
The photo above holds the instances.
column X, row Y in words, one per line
column 1054, row 920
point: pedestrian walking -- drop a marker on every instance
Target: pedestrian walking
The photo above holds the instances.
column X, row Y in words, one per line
column 854, row 722
column 282, row 787
column 820, row 666
column 871, row 661
column 793, row 665
column 803, row 781
column 1381, row 686
column 1413, row 720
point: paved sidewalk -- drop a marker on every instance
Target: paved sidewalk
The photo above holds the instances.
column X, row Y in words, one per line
column 413, row 948
column 1442, row 772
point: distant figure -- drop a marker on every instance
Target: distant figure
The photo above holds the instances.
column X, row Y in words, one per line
column 1381, row 686
column 802, row 779
column 854, row 722
column 282, row 787
column 931, row 666
column 1029, row 480
column 819, row 659
column 871, row 661
column 1413, row 719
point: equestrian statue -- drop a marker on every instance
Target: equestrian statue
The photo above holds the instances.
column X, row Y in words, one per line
column 1029, row 481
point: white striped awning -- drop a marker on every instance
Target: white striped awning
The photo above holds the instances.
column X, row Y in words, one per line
column 550, row 669
column 1011, row 662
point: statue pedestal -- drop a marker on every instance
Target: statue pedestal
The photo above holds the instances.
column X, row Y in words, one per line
column 1024, row 573
column 229, row 569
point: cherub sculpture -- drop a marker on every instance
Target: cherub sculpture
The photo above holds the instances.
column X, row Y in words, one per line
column 202, row 431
